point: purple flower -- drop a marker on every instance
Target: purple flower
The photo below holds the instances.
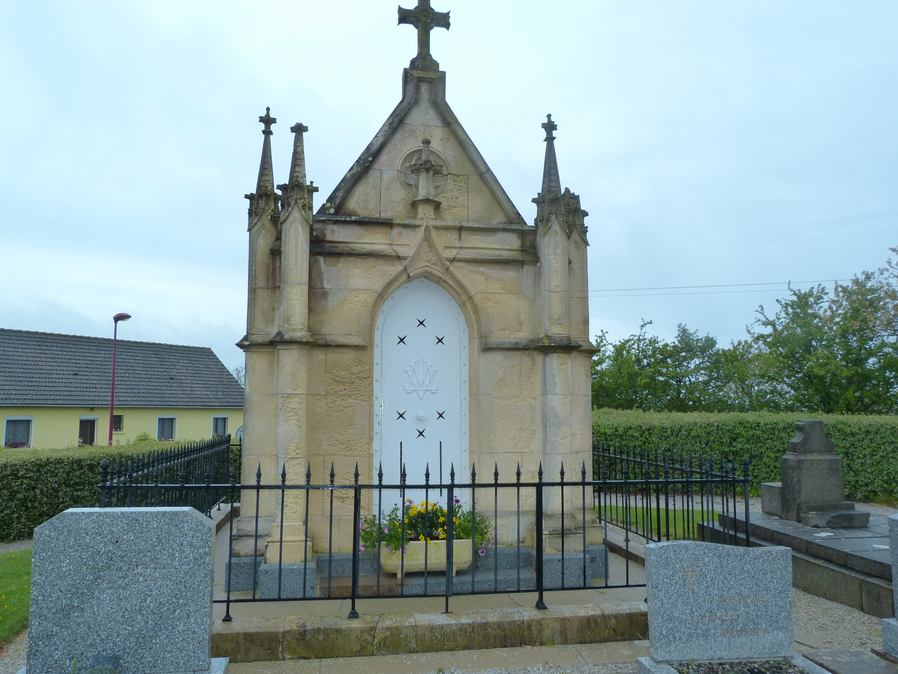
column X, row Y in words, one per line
column 386, row 530
column 482, row 552
column 361, row 547
column 456, row 500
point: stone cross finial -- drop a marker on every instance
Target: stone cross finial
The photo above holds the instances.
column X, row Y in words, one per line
column 425, row 19
column 267, row 120
column 549, row 126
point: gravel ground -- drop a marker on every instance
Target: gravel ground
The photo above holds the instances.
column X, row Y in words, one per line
column 12, row 657
column 765, row 667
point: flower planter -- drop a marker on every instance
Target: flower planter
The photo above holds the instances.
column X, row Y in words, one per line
column 391, row 561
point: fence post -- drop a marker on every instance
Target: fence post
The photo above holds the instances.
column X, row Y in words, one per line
column 104, row 479
column 356, row 531
column 231, row 490
column 540, row 604
column 745, row 487
column 450, row 534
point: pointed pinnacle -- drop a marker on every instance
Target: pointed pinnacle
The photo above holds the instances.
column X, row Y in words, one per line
column 452, row 472
column 561, row 472
column 427, row 472
column 517, row 472
column 551, row 180
column 283, row 473
column 380, row 471
column 332, row 474
column 298, row 161
column 355, row 474
column 259, row 472
column 496, row 472
column 308, row 472
column 473, row 473
column 265, row 181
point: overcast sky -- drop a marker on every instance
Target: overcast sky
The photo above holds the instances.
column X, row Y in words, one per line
column 712, row 142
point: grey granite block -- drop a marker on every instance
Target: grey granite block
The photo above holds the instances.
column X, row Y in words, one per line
column 890, row 636
column 771, row 501
column 596, row 567
column 241, row 569
column 291, row 581
column 340, row 564
column 721, row 602
column 893, row 549
column 646, row 665
column 127, row 583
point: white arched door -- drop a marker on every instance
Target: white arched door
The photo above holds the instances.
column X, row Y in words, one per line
column 420, row 388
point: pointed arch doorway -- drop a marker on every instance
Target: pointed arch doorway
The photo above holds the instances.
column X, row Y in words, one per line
column 420, row 389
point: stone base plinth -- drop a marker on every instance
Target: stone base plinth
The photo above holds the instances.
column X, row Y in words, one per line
column 648, row 665
column 771, row 498
column 286, row 581
column 890, row 636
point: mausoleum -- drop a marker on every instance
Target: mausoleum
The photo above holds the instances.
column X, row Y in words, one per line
column 415, row 318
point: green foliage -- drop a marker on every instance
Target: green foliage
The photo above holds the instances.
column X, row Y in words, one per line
column 422, row 523
column 820, row 351
column 867, row 444
column 39, row 483
column 15, row 590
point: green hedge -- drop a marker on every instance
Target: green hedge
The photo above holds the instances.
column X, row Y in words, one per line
column 868, row 444
column 36, row 484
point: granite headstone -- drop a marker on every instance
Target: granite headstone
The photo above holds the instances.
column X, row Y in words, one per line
column 130, row 585
column 890, row 625
column 718, row 602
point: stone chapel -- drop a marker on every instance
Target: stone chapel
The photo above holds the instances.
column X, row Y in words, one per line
column 414, row 319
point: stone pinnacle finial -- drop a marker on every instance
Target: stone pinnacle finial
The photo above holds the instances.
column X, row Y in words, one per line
column 551, row 180
column 425, row 19
column 263, row 199
column 267, row 120
column 549, row 126
column 298, row 161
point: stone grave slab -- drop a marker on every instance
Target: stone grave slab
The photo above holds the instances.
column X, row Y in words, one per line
column 890, row 625
column 125, row 585
column 718, row 602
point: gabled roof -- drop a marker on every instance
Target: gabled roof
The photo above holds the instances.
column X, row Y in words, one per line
column 41, row 369
column 423, row 106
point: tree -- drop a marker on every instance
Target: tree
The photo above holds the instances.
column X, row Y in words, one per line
column 239, row 373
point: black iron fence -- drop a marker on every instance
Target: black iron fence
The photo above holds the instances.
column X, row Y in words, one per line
column 667, row 495
column 195, row 474
column 473, row 534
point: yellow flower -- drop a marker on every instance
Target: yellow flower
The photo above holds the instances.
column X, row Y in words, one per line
column 421, row 537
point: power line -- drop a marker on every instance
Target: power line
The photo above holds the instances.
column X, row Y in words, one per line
column 755, row 287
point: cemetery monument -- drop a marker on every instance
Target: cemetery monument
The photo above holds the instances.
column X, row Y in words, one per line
column 414, row 318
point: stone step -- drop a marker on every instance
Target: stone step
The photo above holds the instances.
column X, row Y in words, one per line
column 846, row 519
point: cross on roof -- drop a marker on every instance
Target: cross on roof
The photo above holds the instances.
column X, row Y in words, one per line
column 425, row 19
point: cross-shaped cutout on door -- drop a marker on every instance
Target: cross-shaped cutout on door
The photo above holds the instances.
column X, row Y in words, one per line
column 401, row 339
column 441, row 415
column 440, row 340
column 421, row 323
column 421, row 432
column 400, row 415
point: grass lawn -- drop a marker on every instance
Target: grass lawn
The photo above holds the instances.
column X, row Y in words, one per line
column 15, row 588
column 683, row 525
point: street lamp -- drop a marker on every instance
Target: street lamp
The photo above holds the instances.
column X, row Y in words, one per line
column 115, row 320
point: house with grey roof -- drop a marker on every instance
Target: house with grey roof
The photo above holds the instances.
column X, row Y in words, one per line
column 55, row 390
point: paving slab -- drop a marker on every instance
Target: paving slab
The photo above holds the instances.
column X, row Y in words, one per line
column 851, row 661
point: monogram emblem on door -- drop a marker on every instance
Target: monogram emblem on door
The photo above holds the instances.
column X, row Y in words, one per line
column 420, row 378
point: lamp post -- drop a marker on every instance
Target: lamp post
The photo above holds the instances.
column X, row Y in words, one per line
column 115, row 320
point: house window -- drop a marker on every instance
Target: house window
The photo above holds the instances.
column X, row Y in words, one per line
column 219, row 426
column 118, row 423
column 165, row 428
column 17, row 433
